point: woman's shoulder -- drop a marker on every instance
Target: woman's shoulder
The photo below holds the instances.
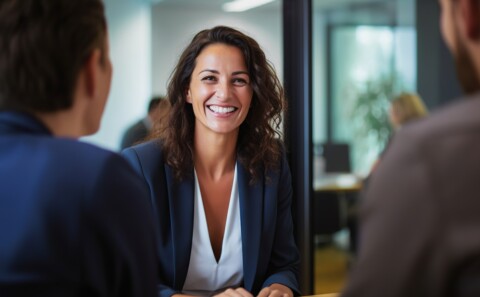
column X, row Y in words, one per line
column 147, row 152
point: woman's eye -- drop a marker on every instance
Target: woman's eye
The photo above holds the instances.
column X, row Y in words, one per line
column 240, row 82
column 209, row 78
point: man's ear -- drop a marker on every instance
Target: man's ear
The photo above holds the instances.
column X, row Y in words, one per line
column 470, row 12
column 91, row 70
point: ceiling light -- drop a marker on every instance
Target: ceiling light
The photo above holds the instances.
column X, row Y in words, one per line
column 242, row 5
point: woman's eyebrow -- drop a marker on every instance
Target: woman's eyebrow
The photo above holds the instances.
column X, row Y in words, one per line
column 240, row 72
column 210, row 70
column 218, row 72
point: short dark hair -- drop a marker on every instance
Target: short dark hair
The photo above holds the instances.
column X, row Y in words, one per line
column 256, row 145
column 43, row 46
column 154, row 103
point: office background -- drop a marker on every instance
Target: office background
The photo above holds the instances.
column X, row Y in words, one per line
column 325, row 51
column 146, row 39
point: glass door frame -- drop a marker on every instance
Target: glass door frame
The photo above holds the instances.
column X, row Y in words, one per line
column 297, row 38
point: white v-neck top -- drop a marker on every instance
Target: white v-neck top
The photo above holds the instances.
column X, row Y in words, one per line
column 205, row 276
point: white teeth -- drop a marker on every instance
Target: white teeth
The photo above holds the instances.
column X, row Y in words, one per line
column 220, row 109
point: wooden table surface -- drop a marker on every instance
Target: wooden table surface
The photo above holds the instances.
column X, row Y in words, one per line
column 337, row 182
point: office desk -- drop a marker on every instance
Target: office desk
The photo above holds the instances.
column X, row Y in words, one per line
column 334, row 205
column 337, row 182
column 333, row 199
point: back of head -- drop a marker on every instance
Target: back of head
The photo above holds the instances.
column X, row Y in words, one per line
column 161, row 118
column 158, row 109
column 154, row 102
column 407, row 107
column 43, row 45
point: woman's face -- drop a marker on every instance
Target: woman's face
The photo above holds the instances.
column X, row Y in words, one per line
column 220, row 90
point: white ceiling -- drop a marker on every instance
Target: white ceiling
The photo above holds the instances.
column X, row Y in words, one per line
column 209, row 4
column 274, row 6
column 329, row 4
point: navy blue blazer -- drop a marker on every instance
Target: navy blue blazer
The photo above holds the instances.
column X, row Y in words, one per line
column 75, row 219
column 269, row 251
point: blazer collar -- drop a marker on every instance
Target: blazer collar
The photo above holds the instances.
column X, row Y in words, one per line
column 181, row 201
column 251, row 210
column 19, row 122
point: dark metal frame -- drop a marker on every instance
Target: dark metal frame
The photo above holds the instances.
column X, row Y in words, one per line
column 297, row 28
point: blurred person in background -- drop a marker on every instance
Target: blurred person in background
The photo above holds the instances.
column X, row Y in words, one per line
column 404, row 108
column 157, row 108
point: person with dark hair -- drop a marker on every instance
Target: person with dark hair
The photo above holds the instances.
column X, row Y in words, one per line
column 157, row 108
column 419, row 221
column 218, row 175
column 75, row 219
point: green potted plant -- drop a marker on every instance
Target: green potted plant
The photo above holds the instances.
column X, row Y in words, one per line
column 368, row 112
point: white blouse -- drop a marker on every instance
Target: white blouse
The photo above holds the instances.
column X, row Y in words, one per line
column 205, row 276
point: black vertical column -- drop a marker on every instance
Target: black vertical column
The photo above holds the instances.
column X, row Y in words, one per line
column 297, row 28
column 437, row 80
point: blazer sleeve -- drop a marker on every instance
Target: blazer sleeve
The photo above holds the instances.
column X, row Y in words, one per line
column 131, row 155
column 284, row 261
column 119, row 252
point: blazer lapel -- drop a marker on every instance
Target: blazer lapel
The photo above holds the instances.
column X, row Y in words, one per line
column 181, row 199
column 251, row 209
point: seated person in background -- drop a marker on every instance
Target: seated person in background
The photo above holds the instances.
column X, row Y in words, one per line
column 140, row 130
column 420, row 220
column 160, row 124
column 74, row 219
column 218, row 177
column 404, row 108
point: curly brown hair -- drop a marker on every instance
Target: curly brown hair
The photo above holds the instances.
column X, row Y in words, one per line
column 257, row 148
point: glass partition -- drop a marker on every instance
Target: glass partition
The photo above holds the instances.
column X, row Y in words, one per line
column 369, row 66
column 364, row 53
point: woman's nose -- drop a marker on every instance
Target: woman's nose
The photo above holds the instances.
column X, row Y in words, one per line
column 223, row 91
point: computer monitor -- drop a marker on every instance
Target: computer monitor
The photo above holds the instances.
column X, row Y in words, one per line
column 336, row 156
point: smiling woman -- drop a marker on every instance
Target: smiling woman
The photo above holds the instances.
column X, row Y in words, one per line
column 241, row 61
column 219, row 92
column 218, row 176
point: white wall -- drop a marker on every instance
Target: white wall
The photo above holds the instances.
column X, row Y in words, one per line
column 174, row 28
column 129, row 24
column 319, row 79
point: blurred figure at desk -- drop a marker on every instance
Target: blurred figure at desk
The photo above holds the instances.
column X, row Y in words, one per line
column 420, row 220
column 405, row 108
column 139, row 131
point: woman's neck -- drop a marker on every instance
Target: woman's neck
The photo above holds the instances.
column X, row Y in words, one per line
column 215, row 154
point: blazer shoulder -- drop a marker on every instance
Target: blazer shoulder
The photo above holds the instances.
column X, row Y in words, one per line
column 145, row 157
column 86, row 155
